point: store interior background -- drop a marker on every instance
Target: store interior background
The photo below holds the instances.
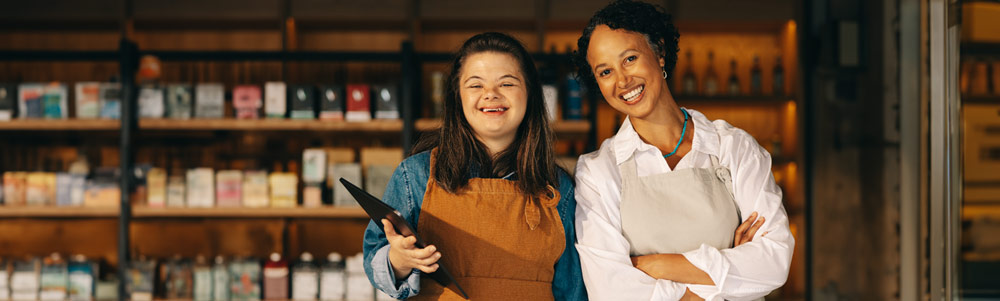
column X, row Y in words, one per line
column 834, row 131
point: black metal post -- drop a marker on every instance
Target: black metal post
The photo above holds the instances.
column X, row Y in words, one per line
column 128, row 64
column 409, row 93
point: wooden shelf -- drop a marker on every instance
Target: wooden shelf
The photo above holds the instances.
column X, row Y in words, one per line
column 994, row 100
column 980, row 49
column 376, row 126
column 298, row 212
column 60, row 125
column 58, row 212
column 570, row 127
column 755, row 100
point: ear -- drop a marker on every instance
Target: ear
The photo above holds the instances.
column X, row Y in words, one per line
column 663, row 63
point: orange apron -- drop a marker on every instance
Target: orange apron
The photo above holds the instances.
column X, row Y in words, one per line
column 498, row 243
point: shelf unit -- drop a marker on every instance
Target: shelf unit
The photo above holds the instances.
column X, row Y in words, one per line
column 140, row 212
column 57, row 212
column 60, row 125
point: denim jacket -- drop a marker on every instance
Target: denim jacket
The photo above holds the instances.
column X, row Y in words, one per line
column 405, row 192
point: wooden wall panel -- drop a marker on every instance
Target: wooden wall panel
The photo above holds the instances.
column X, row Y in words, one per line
column 242, row 40
column 95, row 238
column 320, row 237
column 165, row 238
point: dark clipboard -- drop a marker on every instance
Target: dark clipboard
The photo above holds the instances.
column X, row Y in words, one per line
column 378, row 210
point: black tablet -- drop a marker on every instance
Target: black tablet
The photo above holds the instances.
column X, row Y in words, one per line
column 377, row 210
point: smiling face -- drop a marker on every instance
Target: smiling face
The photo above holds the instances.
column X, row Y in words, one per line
column 494, row 97
column 628, row 71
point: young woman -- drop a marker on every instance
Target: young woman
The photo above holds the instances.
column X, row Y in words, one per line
column 485, row 191
column 658, row 202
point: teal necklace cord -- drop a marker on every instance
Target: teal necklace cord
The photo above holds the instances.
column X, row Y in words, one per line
column 683, row 130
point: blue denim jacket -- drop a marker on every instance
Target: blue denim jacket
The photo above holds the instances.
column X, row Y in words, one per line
column 405, row 192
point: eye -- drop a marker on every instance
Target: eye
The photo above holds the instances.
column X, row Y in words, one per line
column 631, row 58
column 604, row 72
column 507, row 85
column 475, row 86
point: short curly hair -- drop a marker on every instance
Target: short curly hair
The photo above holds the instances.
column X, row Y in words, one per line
column 647, row 19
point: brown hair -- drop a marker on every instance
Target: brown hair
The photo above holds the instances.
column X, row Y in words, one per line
column 530, row 156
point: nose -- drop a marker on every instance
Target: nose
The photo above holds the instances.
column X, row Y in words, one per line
column 622, row 79
column 490, row 93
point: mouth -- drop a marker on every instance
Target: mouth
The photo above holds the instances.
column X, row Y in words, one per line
column 634, row 94
column 493, row 110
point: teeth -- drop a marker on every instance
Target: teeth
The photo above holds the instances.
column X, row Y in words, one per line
column 632, row 94
column 494, row 110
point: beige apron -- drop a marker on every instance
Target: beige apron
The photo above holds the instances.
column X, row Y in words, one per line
column 677, row 211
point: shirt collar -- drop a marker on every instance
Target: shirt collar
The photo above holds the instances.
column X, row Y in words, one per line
column 627, row 141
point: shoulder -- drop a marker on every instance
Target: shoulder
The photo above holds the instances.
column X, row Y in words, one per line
column 565, row 181
column 601, row 161
column 419, row 162
column 736, row 145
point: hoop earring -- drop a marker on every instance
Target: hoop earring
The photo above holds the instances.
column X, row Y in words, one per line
column 664, row 74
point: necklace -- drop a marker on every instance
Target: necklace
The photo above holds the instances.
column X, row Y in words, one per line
column 683, row 130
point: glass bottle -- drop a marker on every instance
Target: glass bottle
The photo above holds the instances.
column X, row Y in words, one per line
column 711, row 79
column 305, row 278
column 733, row 86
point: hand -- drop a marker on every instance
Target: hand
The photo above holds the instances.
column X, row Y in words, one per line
column 688, row 295
column 746, row 230
column 404, row 256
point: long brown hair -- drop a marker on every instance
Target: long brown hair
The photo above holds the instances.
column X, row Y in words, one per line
column 530, row 156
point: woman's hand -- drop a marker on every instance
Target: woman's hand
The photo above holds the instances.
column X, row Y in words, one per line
column 746, row 230
column 404, row 256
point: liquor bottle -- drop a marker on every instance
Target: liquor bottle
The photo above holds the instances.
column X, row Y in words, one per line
column 303, row 101
column 386, row 102
column 220, row 279
column 711, row 80
column 247, row 101
column 111, row 100
column 245, row 279
column 88, row 100
column 210, row 100
column 229, row 188
column 202, row 274
column 755, row 77
column 276, row 278
column 689, row 82
column 779, row 77
column 82, row 278
column 284, row 189
column 305, row 278
column 437, row 94
column 24, row 280
column 140, row 279
column 180, row 99
column 275, row 105
column 574, row 99
column 358, row 103
column 332, row 279
column 151, row 104
column 331, row 103
column 4, row 279
column 733, row 86
column 8, row 99
column 54, row 278
column 178, row 278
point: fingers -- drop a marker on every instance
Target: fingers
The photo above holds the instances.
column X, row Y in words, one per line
column 428, row 269
column 753, row 230
column 746, row 224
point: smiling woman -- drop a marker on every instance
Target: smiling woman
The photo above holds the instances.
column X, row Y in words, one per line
column 485, row 190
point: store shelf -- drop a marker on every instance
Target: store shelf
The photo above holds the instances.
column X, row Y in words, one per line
column 59, row 125
column 995, row 100
column 761, row 100
column 374, row 126
column 566, row 127
column 981, row 49
column 58, row 55
column 57, row 212
column 298, row 212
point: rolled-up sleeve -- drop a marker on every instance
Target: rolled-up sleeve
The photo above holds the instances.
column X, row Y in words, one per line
column 604, row 253
column 754, row 269
column 376, row 248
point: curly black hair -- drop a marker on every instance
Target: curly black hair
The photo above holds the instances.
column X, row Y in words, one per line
column 640, row 17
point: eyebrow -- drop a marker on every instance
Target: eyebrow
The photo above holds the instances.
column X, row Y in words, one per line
column 502, row 77
column 619, row 55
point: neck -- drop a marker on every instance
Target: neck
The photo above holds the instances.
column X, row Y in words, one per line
column 496, row 145
column 662, row 127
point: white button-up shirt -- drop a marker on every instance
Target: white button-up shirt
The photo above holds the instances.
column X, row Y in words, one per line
column 749, row 271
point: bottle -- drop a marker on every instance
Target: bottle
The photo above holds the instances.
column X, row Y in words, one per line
column 437, row 94
column 54, row 278
column 220, row 279
column 276, row 278
column 305, row 278
column 711, row 80
column 202, row 274
column 245, row 279
column 179, row 279
column 574, row 98
column 4, row 277
column 82, row 278
column 332, row 280
column 733, row 86
column 689, row 82
column 779, row 78
column 755, row 77
column 24, row 281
